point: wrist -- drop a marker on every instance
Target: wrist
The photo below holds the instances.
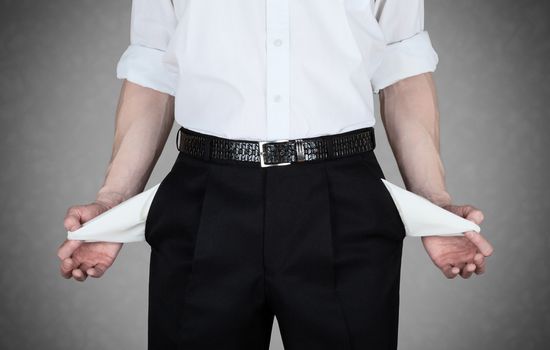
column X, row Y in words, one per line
column 109, row 198
column 441, row 198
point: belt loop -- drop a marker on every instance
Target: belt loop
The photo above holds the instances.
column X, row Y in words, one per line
column 299, row 147
column 178, row 134
column 207, row 147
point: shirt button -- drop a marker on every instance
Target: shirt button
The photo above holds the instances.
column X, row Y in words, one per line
column 277, row 98
column 277, row 42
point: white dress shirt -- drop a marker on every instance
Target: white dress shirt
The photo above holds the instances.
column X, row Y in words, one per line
column 275, row 69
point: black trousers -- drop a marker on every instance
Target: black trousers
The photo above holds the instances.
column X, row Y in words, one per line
column 316, row 244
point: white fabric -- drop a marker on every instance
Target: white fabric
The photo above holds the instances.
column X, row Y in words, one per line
column 275, row 69
column 406, row 58
column 145, row 66
column 126, row 222
column 423, row 218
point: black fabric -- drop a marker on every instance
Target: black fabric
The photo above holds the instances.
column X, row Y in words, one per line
column 316, row 244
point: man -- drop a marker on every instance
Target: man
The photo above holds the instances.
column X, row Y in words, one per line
column 299, row 227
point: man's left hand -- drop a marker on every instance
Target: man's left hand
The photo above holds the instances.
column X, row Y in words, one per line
column 463, row 255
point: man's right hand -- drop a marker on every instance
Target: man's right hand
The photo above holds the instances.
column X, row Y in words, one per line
column 81, row 259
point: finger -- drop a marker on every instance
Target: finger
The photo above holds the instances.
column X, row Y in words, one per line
column 97, row 271
column 79, row 214
column 66, row 267
column 90, row 211
column 466, row 211
column 71, row 223
column 479, row 260
column 72, row 219
column 456, row 269
column 468, row 270
column 85, row 267
column 474, row 214
column 76, row 261
column 79, row 275
column 449, row 271
column 480, row 242
column 67, row 248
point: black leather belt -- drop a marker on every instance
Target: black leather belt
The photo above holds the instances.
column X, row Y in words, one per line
column 276, row 152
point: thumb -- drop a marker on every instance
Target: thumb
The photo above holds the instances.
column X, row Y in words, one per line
column 79, row 214
column 473, row 214
column 67, row 248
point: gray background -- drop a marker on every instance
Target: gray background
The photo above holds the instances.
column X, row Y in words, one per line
column 57, row 103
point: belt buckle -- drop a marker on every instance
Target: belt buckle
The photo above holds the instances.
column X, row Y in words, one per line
column 262, row 153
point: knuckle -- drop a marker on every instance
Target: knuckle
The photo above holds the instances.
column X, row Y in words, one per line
column 77, row 257
column 73, row 210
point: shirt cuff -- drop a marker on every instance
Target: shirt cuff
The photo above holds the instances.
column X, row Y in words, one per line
column 403, row 59
column 144, row 66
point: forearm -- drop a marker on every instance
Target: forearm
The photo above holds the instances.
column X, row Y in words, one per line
column 143, row 122
column 411, row 118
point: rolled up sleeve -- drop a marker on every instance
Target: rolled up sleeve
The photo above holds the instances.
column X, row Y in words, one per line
column 408, row 50
column 143, row 62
